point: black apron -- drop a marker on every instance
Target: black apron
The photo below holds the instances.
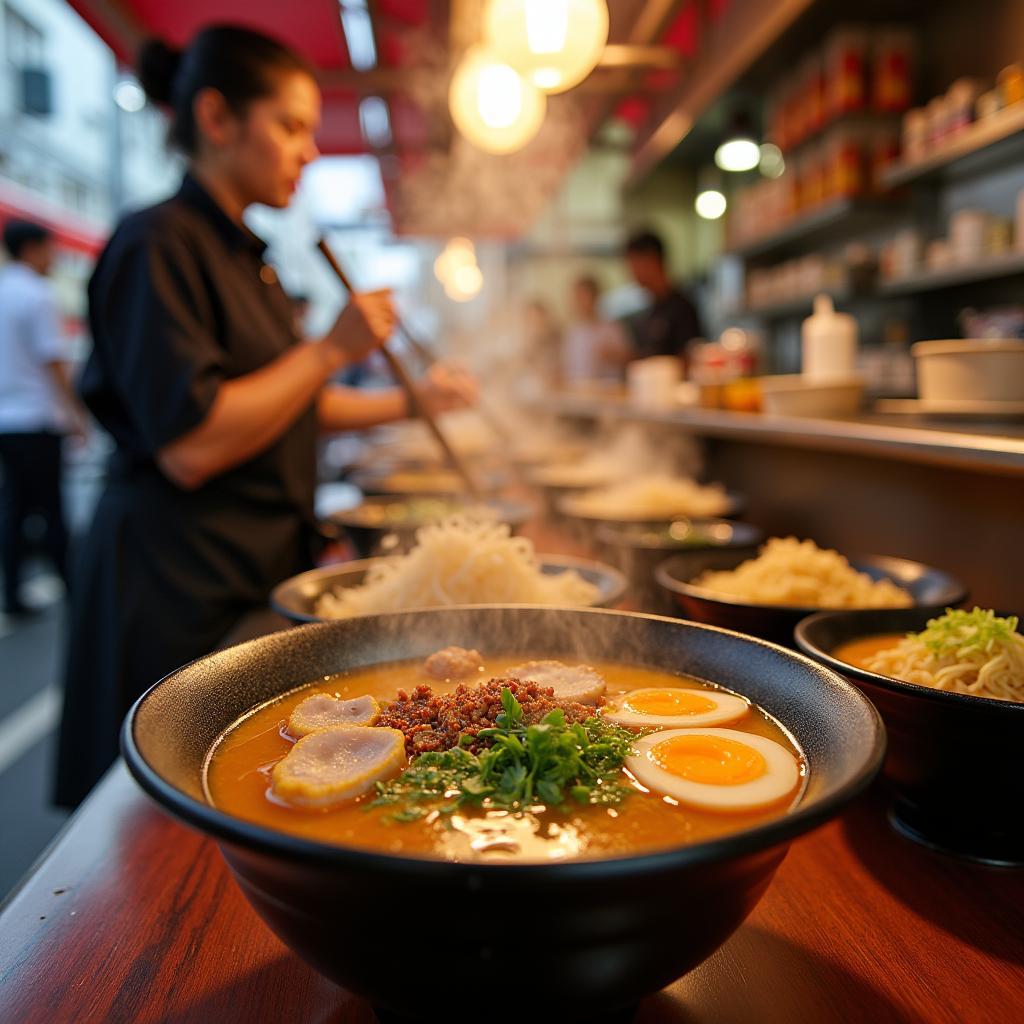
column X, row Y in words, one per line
column 179, row 302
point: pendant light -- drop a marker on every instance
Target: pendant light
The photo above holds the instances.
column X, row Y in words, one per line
column 554, row 43
column 492, row 105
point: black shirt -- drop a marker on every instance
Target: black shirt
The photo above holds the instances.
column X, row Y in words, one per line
column 666, row 327
column 180, row 302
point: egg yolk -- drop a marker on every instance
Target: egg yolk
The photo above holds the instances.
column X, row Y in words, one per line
column 669, row 702
column 709, row 759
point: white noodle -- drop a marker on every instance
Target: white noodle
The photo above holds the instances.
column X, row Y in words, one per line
column 458, row 560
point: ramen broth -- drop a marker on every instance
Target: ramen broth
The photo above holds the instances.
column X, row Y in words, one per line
column 859, row 652
column 237, row 781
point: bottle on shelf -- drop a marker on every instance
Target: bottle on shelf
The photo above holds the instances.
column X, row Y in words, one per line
column 829, row 342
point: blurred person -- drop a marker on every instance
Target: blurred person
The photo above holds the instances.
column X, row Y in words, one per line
column 593, row 349
column 37, row 406
column 668, row 325
column 541, row 347
column 213, row 401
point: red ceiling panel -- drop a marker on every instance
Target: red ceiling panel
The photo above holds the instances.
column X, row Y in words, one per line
column 312, row 27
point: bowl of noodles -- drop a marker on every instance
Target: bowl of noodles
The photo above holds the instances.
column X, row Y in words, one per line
column 427, row 480
column 950, row 688
column 650, row 498
column 790, row 579
column 457, row 561
column 387, row 524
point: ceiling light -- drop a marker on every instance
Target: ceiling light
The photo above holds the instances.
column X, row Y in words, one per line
column 554, row 43
column 465, row 283
column 362, row 49
column 128, row 95
column 710, row 204
column 375, row 121
column 738, row 154
column 493, row 106
column 459, row 252
column 772, row 163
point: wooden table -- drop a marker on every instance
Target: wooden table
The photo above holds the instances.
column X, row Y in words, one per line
column 131, row 917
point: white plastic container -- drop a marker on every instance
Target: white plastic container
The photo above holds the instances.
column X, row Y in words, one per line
column 651, row 383
column 829, row 341
column 972, row 370
column 795, row 395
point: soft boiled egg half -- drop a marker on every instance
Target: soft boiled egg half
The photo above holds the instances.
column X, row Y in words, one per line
column 671, row 707
column 715, row 769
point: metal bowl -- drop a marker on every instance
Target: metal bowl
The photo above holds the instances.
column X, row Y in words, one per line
column 297, row 596
column 612, row 931
column 637, row 549
column 930, row 588
column 953, row 764
column 377, row 522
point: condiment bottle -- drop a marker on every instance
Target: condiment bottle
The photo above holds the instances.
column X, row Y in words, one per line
column 829, row 342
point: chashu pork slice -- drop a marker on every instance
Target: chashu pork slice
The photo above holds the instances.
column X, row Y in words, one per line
column 322, row 711
column 328, row 767
column 579, row 683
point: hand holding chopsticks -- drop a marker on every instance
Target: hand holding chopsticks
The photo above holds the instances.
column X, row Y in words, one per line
column 418, row 406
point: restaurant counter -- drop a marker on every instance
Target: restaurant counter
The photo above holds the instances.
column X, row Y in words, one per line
column 131, row 917
column 948, row 496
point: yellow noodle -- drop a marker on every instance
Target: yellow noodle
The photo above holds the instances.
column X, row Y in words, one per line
column 798, row 573
column 969, row 659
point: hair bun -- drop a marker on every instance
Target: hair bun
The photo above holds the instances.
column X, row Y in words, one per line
column 158, row 66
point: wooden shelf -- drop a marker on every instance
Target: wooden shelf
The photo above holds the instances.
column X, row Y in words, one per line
column 833, row 222
column 979, row 147
column 796, row 306
column 983, row 270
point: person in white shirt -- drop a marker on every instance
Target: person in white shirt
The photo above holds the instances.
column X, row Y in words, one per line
column 37, row 405
column 593, row 349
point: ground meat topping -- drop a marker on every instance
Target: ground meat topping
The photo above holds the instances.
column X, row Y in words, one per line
column 437, row 721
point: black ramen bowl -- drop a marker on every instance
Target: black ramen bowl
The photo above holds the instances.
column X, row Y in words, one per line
column 637, row 549
column 297, row 596
column 953, row 763
column 568, row 508
column 930, row 589
column 583, row 937
column 388, row 524
column 428, row 481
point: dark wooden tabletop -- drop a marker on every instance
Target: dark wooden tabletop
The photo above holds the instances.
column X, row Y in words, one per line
column 132, row 917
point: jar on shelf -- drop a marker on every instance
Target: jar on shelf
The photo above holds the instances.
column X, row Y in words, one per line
column 1010, row 82
column 885, row 150
column 893, row 71
column 846, row 51
column 844, row 162
column 938, row 120
column 961, row 98
column 812, row 77
column 914, row 135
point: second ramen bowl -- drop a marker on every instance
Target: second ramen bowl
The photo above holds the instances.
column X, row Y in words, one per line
column 953, row 763
column 930, row 589
column 580, row 938
column 296, row 598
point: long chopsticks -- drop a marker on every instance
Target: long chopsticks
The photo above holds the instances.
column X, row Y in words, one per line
column 416, row 403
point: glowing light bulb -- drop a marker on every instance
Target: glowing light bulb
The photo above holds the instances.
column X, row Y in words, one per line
column 710, row 204
column 554, row 43
column 492, row 105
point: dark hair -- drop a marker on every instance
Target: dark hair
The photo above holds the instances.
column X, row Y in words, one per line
column 240, row 64
column 646, row 243
column 19, row 233
column 589, row 282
